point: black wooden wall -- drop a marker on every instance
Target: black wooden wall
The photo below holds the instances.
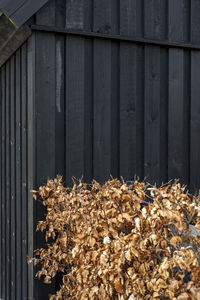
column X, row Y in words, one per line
column 98, row 106
column 13, row 178
column 119, row 107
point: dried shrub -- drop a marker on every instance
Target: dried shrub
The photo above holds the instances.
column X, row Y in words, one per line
column 120, row 240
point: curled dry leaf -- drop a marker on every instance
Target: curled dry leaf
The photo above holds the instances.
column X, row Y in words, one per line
column 120, row 240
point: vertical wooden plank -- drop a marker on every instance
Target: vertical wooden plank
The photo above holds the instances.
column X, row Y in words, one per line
column 60, row 20
column 45, row 105
column 140, row 81
column 31, row 161
column 3, row 193
column 115, row 109
column 155, row 19
column 164, row 115
column 102, row 16
column 78, row 94
column 45, row 132
column 131, row 91
column 132, row 17
column 102, row 93
column 46, row 15
column 179, row 20
column 60, row 13
column 14, row 242
column 75, row 14
column 115, row 91
column 88, row 94
column 195, row 21
column 195, row 105
column 155, row 115
column 152, row 114
column 74, row 108
column 175, row 113
column 128, row 141
column 24, row 222
column 74, row 93
column 179, row 86
column 152, row 93
column 88, row 111
column 59, row 108
column 1, row 202
column 195, row 122
column 7, row 277
column 18, row 175
column 128, row 13
column 102, row 110
column 131, row 111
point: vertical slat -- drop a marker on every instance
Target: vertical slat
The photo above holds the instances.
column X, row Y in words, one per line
column 7, row 277
column 1, row 202
column 102, row 17
column 195, row 21
column 128, row 13
column 14, row 242
column 59, row 108
column 45, row 111
column 31, row 161
column 195, row 104
column 46, row 15
column 130, row 100
column 74, row 108
column 45, row 132
column 60, row 20
column 131, row 91
column 164, row 115
column 132, row 18
column 102, row 110
column 152, row 92
column 115, row 109
column 18, row 175
column 24, row 169
column 75, row 13
column 45, row 106
column 152, row 114
column 179, row 20
column 179, row 85
column 175, row 113
column 88, row 111
column 115, row 91
column 78, row 95
column 3, row 194
column 102, row 93
column 128, row 141
column 155, row 19
column 195, row 122
column 140, row 81
column 60, row 13
column 155, row 116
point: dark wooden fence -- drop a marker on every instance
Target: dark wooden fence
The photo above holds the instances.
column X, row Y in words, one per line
column 13, row 178
column 114, row 88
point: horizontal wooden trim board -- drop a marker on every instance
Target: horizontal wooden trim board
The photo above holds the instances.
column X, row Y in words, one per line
column 144, row 41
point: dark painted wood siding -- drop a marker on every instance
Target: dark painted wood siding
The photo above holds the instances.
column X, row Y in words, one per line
column 94, row 108
column 115, row 107
column 128, row 108
column 13, row 194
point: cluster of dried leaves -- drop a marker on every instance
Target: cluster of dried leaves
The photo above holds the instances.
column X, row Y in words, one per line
column 120, row 240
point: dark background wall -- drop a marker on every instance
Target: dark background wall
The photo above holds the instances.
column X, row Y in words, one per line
column 115, row 107
column 101, row 106
column 13, row 177
column 118, row 107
